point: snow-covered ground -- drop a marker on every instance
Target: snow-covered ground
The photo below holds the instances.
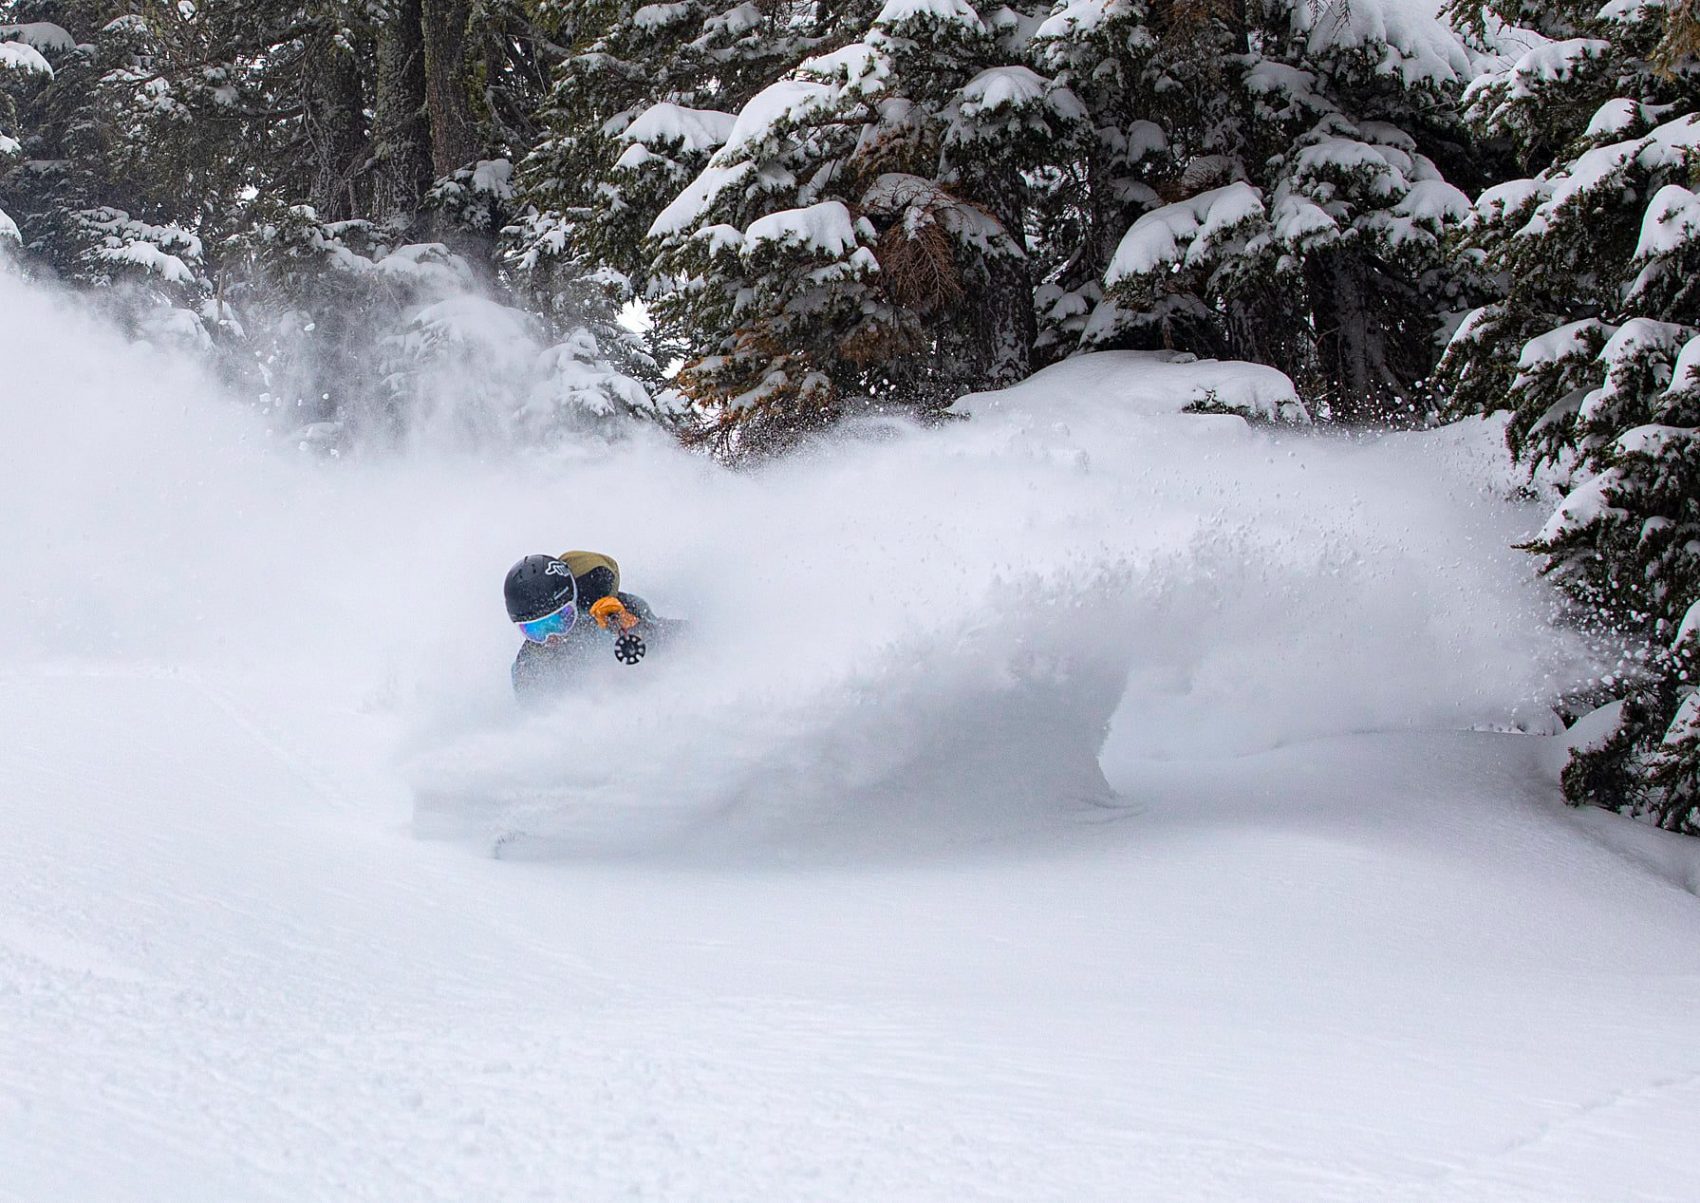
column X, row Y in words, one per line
column 853, row 899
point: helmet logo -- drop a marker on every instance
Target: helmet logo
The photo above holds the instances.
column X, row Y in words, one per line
column 557, row 568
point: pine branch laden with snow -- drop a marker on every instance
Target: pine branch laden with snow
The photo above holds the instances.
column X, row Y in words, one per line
column 1195, row 235
column 1626, row 539
column 478, row 197
column 151, row 277
column 19, row 54
column 1534, row 97
column 807, row 280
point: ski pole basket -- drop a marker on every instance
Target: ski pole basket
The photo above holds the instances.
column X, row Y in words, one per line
column 629, row 648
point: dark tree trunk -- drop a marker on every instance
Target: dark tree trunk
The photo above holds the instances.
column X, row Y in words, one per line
column 1351, row 339
column 401, row 137
column 1007, row 326
column 336, row 133
column 447, row 95
column 1266, row 324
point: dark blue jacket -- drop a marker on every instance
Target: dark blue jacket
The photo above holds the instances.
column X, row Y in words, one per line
column 543, row 669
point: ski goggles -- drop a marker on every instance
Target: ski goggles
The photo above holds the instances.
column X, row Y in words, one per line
column 541, row 630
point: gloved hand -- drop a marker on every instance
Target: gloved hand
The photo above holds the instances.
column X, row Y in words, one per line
column 612, row 610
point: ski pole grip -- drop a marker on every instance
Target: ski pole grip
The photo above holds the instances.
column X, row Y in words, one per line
column 612, row 610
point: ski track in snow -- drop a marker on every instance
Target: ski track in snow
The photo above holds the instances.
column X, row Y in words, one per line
column 878, row 911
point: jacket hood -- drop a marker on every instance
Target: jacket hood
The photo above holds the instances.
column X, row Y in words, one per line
column 582, row 562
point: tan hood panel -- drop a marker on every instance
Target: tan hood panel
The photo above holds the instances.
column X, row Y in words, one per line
column 582, row 562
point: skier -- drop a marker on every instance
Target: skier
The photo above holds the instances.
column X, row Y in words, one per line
column 569, row 608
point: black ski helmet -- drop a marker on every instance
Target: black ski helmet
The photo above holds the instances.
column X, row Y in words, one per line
column 538, row 586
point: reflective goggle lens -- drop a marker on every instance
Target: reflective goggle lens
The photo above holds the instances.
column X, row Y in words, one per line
column 539, row 630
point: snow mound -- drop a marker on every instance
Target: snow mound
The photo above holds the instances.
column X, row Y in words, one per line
column 1145, row 383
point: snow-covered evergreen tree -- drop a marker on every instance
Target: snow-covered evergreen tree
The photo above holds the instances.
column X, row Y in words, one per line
column 1593, row 346
column 244, row 178
column 858, row 239
column 124, row 183
column 636, row 107
column 1266, row 176
column 146, row 262
column 22, row 69
column 1152, row 81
